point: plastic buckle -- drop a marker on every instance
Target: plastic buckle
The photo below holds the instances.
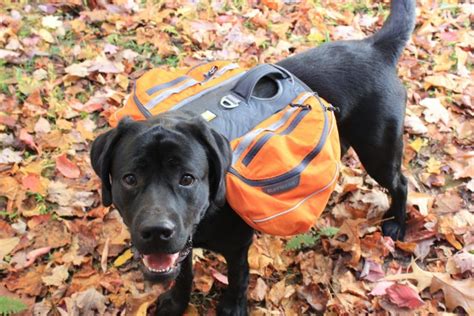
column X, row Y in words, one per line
column 229, row 101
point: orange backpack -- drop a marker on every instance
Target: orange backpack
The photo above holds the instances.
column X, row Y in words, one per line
column 286, row 151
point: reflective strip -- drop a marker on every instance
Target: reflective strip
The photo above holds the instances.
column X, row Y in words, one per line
column 140, row 105
column 247, row 140
column 165, row 85
column 162, row 96
column 203, row 92
column 224, row 69
column 302, row 201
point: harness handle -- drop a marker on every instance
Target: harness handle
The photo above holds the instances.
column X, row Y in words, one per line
column 244, row 88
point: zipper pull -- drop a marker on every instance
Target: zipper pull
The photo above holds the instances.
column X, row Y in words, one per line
column 211, row 72
column 301, row 106
column 332, row 108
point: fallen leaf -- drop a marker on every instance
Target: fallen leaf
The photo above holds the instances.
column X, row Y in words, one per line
column 422, row 277
column 89, row 302
column 259, row 291
column 42, row 126
column 57, row 276
column 46, row 36
column 27, row 139
column 51, row 21
column 348, row 239
column 9, row 156
column 456, row 293
column 404, row 296
column 123, row 258
column 219, row 276
column 372, row 271
column 67, row 167
column 435, row 111
column 7, row 245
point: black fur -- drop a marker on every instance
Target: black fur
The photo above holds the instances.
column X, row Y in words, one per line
column 359, row 77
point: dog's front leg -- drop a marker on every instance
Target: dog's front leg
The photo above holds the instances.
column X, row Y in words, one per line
column 234, row 301
column 175, row 301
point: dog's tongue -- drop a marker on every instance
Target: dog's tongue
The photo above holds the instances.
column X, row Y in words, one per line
column 160, row 261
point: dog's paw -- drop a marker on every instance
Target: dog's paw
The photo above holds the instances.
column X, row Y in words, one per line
column 167, row 306
column 394, row 229
column 232, row 307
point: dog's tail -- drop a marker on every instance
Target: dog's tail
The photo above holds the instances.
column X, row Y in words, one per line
column 396, row 31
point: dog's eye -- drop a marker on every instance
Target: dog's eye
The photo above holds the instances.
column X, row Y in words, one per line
column 129, row 179
column 186, row 180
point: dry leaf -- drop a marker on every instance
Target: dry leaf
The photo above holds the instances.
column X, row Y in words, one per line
column 67, row 167
column 404, row 296
column 58, row 275
column 456, row 293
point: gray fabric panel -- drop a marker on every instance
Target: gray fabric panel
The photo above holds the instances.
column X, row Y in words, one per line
column 238, row 121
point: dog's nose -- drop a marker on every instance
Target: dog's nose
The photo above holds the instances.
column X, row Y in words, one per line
column 162, row 231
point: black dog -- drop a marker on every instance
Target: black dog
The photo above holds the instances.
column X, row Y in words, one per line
column 166, row 175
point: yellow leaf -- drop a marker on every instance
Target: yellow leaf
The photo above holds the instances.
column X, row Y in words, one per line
column 316, row 36
column 7, row 245
column 127, row 255
column 433, row 166
column 418, row 143
column 443, row 62
column 440, row 81
column 142, row 310
column 46, row 36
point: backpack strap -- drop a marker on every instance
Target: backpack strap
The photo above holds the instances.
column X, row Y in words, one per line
column 244, row 88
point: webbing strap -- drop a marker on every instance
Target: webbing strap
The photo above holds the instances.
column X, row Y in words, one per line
column 247, row 139
column 184, row 83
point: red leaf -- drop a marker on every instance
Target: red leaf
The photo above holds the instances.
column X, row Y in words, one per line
column 67, row 167
column 7, row 120
column 32, row 256
column 404, row 296
column 31, row 182
column 219, row 276
column 27, row 139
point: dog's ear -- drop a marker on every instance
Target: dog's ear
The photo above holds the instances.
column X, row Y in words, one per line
column 102, row 152
column 219, row 156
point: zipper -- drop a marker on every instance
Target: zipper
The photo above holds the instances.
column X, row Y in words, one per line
column 294, row 207
column 296, row 171
column 304, row 110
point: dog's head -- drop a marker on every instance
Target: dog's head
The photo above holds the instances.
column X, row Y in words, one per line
column 162, row 175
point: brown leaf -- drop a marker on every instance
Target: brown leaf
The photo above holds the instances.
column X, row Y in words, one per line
column 456, row 293
column 7, row 245
column 348, row 239
column 52, row 234
column 87, row 303
column 27, row 283
column 314, row 295
column 422, row 277
column 259, row 291
column 57, row 276
column 203, row 281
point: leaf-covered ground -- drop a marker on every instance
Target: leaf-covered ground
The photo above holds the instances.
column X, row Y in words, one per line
column 65, row 66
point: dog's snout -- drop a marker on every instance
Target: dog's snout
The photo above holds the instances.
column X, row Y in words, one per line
column 160, row 231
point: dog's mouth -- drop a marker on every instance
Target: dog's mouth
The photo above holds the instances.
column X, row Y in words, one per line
column 163, row 264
